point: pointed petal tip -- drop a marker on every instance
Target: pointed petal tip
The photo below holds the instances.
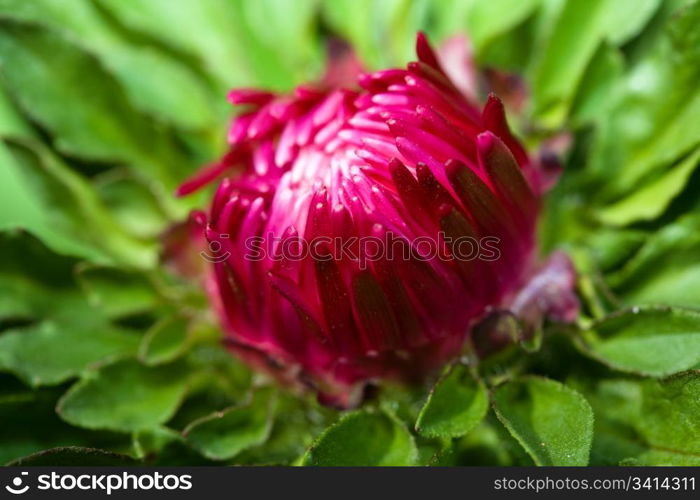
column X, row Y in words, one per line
column 452, row 166
column 444, row 209
column 248, row 96
column 425, row 52
column 395, row 163
column 182, row 190
column 194, row 184
column 494, row 112
column 422, row 169
column 199, row 218
column 493, row 98
column 486, row 141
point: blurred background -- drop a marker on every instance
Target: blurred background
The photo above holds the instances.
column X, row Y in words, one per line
column 107, row 105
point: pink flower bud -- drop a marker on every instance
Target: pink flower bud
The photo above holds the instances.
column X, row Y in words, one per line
column 358, row 233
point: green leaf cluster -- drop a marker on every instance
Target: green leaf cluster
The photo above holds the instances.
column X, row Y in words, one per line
column 107, row 357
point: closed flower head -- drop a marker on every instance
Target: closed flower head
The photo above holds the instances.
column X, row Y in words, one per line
column 360, row 230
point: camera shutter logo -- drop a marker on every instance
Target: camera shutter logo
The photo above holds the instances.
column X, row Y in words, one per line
column 16, row 487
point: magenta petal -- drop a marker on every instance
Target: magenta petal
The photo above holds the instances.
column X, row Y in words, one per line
column 494, row 117
column 425, row 51
column 209, row 173
column 249, row 96
column 506, row 175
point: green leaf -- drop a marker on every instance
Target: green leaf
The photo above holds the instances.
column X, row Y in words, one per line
column 165, row 341
column 454, row 407
column 626, row 18
column 143, row 70
column 31, row 425
column 203, row 34
column 73, row 456
column 100, row 123
column 224, row 434
column 69, row 206
column 382, row 33
column 613, row 248
column 654, row 341
column 116, row 291
column 647, row 421
column 487, row 20
column 666, row 268
column 649, row 201
column 16, row 207
column 489, row 444
column 26, row 259
column 354, row 21
column 11, row 122
column 576, row 32
column 141, row 208
column 150, row 442
column 19, row 209
column 296, row 424
column 448, row 17
column 221, row 36
column 37, row 287
column 653, row 123
column 553, row 422
column 684, row 34
column 125, row 396
column 221, row 370
column 363, row 438
column 599, row 86
column 54, row 351
column 277, row 34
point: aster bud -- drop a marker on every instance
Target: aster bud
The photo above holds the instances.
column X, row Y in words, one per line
column 404, row 160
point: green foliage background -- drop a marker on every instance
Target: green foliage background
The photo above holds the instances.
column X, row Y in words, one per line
column 107, row 358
